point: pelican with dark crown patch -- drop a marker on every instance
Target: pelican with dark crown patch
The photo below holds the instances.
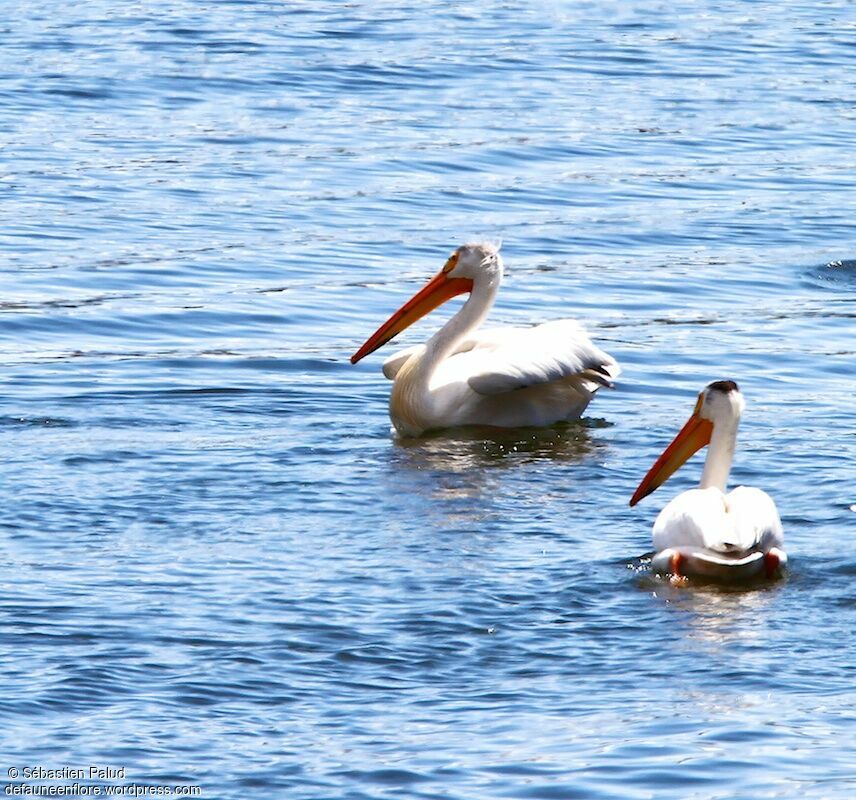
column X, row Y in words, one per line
column 706, row 533
column 505, row 377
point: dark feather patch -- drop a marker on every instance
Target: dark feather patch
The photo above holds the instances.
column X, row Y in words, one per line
column 723, row 386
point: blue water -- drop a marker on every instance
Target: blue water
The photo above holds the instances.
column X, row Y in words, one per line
column 218, row 566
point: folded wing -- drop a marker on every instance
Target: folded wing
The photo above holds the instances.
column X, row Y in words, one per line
column 757, row 517
column 735, row 524
column 516, row 358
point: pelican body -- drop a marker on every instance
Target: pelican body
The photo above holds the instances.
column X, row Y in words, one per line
column 706, row 533
column 505, row 377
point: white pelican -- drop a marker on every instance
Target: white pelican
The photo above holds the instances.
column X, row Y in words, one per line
column 704, row 532
column 506, row 377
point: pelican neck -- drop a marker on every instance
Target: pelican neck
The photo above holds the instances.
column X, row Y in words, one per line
column 720, row 455
column 468, row 319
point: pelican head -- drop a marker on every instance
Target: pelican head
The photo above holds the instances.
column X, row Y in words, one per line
column 719, row 405
column 478, row 261
column 721, row 402
column 470, row 266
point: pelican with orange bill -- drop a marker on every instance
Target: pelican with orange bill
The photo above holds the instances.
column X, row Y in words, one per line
column 503, row 377
column 705, row 533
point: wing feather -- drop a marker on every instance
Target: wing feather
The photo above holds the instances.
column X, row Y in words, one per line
column 695, row 518
column 518, row 358
column 756, row 515
column 737, row 523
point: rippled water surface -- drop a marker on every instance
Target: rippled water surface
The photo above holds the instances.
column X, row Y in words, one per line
column 219, row 568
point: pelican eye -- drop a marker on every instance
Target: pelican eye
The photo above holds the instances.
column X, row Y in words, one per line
column 451, row 263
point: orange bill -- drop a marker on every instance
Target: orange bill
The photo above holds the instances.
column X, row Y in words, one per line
column 691, row 438
column 436, row 292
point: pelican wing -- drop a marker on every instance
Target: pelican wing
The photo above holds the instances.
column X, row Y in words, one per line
column 518, row 358
column 756, row 515
column 695, row 518
column 734, row 524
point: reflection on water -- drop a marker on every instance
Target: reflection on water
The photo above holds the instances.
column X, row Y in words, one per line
column 465, row 449
column 477, row 476
column 719, row 615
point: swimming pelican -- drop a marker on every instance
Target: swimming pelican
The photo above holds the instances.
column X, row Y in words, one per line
column 704, row 532
column 506, row 377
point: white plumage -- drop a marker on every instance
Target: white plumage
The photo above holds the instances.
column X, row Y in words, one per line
column 506, row 377
column 742, row 520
